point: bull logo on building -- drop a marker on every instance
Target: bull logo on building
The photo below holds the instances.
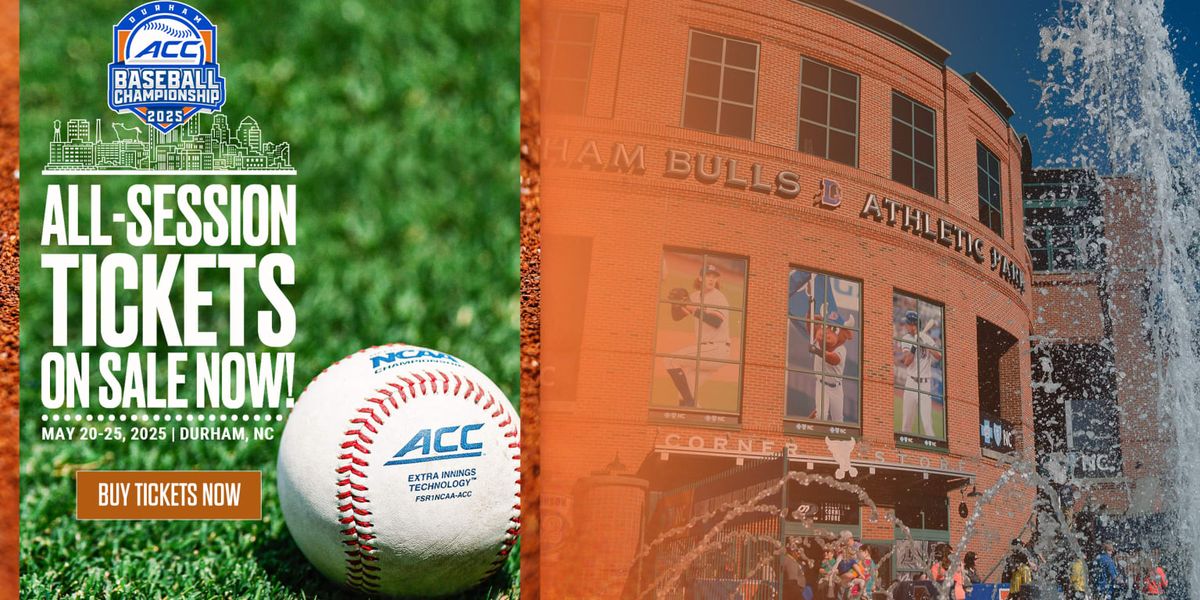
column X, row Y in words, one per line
column 841, row 450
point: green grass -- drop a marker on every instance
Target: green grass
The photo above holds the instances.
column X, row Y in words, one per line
column 403, row 123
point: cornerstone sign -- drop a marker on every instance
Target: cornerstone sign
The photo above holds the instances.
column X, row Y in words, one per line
column 757, row 447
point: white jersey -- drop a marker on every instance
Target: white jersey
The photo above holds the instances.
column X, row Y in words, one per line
column 922, row 365
column 708, row 333
column 820, row 366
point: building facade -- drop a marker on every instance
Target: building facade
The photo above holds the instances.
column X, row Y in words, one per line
column 1094, row 365
column 783, row 267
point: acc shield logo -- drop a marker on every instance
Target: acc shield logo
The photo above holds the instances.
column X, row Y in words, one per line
column 164, row 68
column 446, row 443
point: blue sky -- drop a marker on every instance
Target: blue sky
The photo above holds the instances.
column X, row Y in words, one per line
column 1000, row 41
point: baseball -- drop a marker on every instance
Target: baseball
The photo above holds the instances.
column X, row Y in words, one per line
column 165, row 39
column 399, row 473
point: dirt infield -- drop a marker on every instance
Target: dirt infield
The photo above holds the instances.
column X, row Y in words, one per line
column 530, row 297
column 9, row 298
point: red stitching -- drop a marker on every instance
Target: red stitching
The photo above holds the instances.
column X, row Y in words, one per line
column 365, row 423
column 382, row 406
column 400, row 388
column 354, row 459
column 362, row 436
column 371, row 411
column 350, row 469
column 388, row 395
column 358, row 532
column 412, row 387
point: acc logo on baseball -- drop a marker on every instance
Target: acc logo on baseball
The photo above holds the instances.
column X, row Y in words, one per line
column 447, row 443
column 164, row 68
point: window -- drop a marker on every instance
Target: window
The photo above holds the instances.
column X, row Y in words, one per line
column 1063, row 222
column 919, row 373
column 999, row 378
column 1059, row 248
column 721, row 86
column 698, row 352
column 914, row 144
column 990, row 208
column 828, row 112
column 924, row 512
column 568, row 39
column 824, row 350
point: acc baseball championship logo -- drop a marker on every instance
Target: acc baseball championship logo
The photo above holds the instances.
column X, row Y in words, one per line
column 164, row 68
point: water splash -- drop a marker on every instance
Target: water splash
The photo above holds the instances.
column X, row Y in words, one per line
column 1114, row 80
column 717, row 535
column 1055, row 530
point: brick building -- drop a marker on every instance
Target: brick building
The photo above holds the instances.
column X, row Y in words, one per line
column 781, row 240
column 1094, row 366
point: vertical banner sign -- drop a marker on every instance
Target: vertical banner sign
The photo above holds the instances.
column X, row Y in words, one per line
column 170, row 296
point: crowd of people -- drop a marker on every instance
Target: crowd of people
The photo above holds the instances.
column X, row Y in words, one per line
column 1110, row 575
column 848, row 570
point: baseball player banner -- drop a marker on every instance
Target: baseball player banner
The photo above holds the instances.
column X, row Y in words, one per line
column 919, row 387
column 698, row 350
column 824, row 354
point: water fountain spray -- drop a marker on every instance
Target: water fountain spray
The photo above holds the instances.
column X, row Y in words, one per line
column 1113, row 80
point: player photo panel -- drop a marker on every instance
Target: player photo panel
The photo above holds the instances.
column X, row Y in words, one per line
column 717, row 386
column 824, row 348
column 698, row 344
column 919, row 367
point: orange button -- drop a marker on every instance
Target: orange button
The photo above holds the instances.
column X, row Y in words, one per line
column 168, row 495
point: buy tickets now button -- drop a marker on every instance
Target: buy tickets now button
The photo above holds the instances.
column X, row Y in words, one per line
column 168, row 495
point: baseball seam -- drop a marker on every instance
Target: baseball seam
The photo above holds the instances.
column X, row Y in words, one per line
column 353, row 504
column 169, row 30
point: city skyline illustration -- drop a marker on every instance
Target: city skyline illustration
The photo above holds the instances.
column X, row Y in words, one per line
column 80, row 148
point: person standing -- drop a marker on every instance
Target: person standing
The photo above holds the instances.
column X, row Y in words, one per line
column 794, row 581
column 1021, row 578
column 916, row 363
column 941, row 562
column 940, row 571
column 850, row 584
column 829, row 573
column 706, row 304
column 867, row 566
column 1105, row 573
column 970, row 571
column 829, row 358
column 1010, row 561
column 1127, row 582
column 1078, row 579
column 1154, row 579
